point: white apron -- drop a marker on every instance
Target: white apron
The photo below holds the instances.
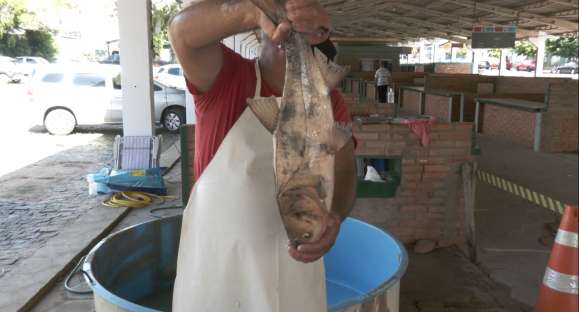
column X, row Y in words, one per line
column 233, row 252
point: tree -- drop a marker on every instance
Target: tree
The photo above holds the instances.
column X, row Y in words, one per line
column 525, row 48
column 162, row 13
column 563, row 46
column 496, row 53
column 20, row 33
column 12, row 15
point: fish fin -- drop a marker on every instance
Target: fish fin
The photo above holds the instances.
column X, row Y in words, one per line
column 266, row 109
column 332, row 72
column 342, row 133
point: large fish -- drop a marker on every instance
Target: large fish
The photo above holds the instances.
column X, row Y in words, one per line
column 305, row 136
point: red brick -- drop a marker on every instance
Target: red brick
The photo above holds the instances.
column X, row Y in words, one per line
column 441, row 126
column 463, row 144
column 413, row 209
column 437, row 168
column 408, row 161
column 370, row 151
column 377, row 128
column 376, row 144
column 366, row 136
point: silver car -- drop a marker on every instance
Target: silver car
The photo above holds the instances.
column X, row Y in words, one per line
column 8, row 70
column 69, row 96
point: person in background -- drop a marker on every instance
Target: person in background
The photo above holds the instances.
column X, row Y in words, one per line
column 382, row 78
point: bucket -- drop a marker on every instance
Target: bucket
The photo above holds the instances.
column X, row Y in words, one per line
column 134, row 269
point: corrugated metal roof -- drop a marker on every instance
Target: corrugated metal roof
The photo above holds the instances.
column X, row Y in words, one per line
column 398, row 21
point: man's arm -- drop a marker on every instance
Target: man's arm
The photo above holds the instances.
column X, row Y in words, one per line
column 342, row 203
column 345, row 181
column 196, row 31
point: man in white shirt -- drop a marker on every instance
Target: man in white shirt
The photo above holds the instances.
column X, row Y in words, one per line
column 382, row 77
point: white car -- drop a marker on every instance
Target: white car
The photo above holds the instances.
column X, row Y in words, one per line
column 171, row 75
column 26, row 65
column 68, row 96
column 8, row 70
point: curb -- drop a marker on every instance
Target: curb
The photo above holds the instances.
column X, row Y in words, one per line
column 169, row 159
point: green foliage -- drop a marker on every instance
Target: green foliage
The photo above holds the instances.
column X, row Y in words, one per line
column 12, row 15
column 18, row 37
column 33, row 43
column 162, row 13
column 563, row 46
column 496, row 53
column 526, row 48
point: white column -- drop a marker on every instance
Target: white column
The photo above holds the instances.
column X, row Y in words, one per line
column 136, row 59
column 190, row 109
column 539, row 42
column 475, row 60
column 503, row 63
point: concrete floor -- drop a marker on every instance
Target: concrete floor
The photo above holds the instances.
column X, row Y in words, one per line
column 511, row 258
column 513, row 239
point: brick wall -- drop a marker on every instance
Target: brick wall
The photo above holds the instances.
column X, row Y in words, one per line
column 429, row 202
column 366, row 107
column 510, row 124
column 437, row 106
column 411, row 101
column 559, row 130
column 560, row 123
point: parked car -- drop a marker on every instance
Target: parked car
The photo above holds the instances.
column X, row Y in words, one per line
column 527, row 65
column 8, row 70
column 27, row 64
column 68, row 96
column 484, row 65
column 567, row 68
column 171, row 75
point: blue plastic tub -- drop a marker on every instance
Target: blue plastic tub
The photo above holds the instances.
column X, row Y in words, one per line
column 134, row 269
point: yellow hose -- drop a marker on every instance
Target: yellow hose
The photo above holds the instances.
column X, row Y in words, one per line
column 131, row 199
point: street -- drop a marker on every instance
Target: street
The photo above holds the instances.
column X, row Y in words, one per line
column 24, row 140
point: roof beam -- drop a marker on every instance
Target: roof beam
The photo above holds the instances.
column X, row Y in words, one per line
column 498, row 10
column 573, row 3
column 570, row 13
column 361, row 32
column 361, row 39
column 437, row 26
column 459, row 19
column 412, row 34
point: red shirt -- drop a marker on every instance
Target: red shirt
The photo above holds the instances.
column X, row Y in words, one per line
column 218, row 109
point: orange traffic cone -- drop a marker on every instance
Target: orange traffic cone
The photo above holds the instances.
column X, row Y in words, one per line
column 559, row 290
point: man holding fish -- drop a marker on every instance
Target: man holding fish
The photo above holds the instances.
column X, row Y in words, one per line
column 274, row 158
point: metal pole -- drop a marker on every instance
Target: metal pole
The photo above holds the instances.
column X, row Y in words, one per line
column 476, row 116
column 501, row 62
column 450, row 109
column 421, row 109
column 538, row 126
column 462, row 107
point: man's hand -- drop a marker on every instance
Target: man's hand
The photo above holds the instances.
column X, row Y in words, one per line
column 310, row 252
column 304, row 16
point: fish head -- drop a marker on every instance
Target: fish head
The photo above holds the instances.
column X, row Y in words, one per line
column 303, row 214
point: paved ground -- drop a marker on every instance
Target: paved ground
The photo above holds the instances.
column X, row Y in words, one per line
column 513, row 234
column 60, row 300
column 43, row 193
column 35, row 204
column 47, row 219
column 445, row 281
